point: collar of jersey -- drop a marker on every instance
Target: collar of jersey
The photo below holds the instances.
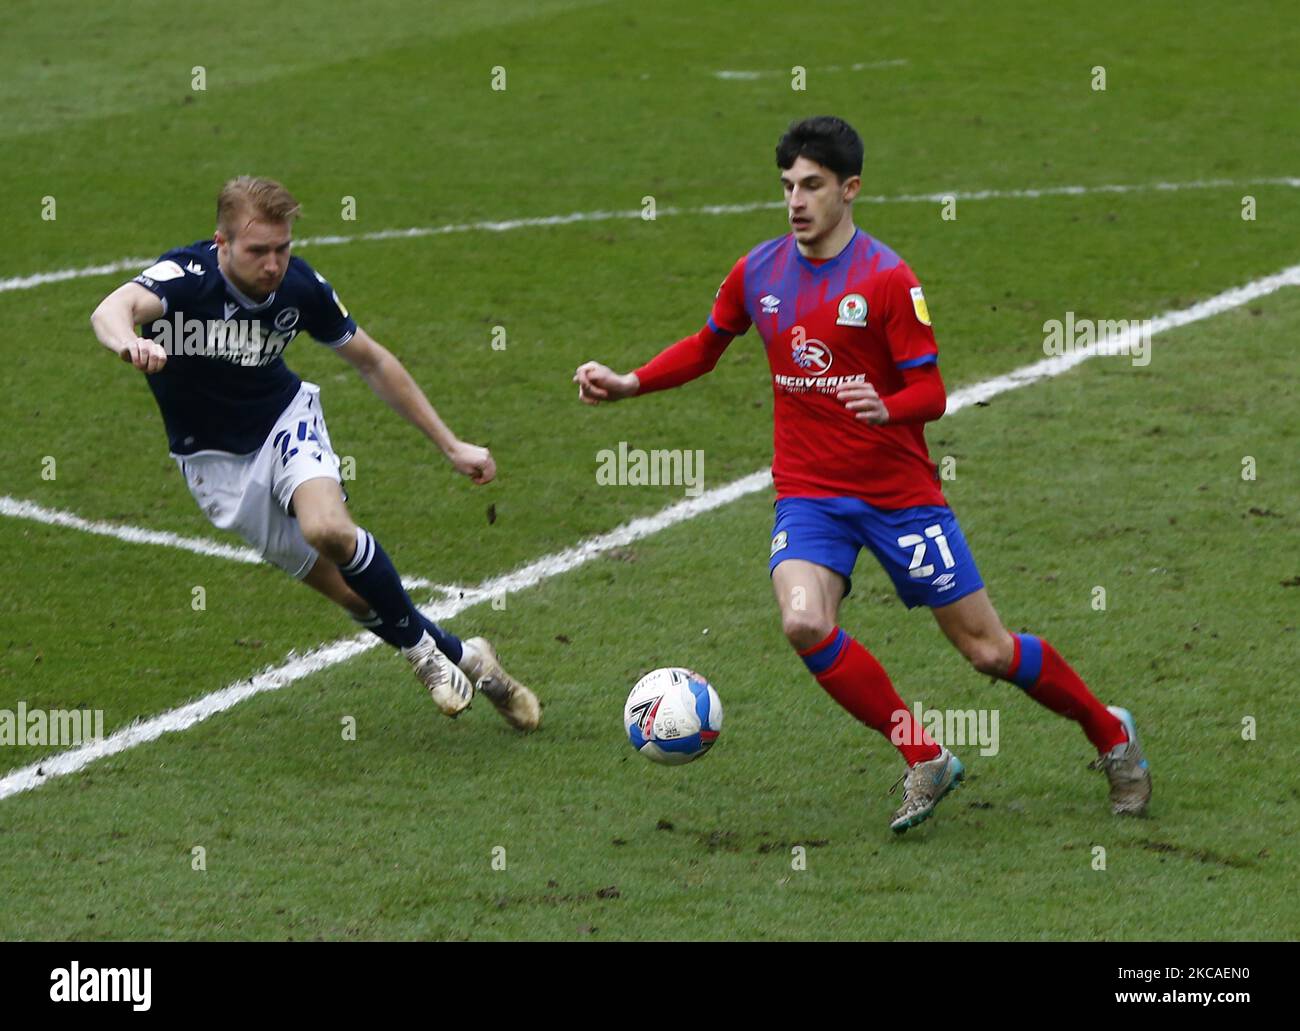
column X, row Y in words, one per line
column 829, row 262
column 247, row 303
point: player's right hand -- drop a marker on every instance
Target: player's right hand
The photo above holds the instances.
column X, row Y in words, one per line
column 597, row 383
column 473, row 461
column 145, row 355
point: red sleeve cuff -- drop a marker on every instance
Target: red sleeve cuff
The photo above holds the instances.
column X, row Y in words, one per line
column 922, row 399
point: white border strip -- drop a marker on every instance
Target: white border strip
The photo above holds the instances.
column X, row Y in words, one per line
column 64, row 763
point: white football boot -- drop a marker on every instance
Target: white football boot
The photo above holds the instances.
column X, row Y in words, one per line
column 923, row 786
column 518, row 706
column 1127, row 770
column 450, row 688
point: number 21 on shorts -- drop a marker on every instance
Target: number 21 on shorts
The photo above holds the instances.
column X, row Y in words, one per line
column 917, row 570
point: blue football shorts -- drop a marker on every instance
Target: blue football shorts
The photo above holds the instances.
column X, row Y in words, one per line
column 922, row 548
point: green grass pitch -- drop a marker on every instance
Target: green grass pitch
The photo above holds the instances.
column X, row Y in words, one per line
column 1116, row 476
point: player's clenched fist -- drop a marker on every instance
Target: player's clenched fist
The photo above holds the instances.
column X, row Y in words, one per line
column 597, row 383
column 475, row 462
column 145, row 355
column 864, row 402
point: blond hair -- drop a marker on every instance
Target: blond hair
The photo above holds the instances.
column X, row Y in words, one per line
column 259, row 199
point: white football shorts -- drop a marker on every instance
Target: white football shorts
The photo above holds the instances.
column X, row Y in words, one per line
column 250, row 494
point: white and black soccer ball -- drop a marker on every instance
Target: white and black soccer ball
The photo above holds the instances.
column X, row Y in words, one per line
column 672, row 716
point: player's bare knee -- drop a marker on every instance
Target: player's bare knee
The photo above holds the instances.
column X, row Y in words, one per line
column 804, row 629
column 987, row 656
column 335, row 539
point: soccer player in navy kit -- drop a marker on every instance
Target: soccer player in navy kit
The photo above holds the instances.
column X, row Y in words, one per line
column 855, row 377
column 250, row 436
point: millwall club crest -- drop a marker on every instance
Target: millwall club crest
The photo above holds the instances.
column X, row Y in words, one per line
column 853, row 311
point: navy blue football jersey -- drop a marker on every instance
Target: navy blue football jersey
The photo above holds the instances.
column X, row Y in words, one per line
column 225, row 382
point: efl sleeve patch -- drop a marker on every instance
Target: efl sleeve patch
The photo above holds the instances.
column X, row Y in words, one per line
column 163, row 271
column 919, row 306
column 326, row 318
column 166, row 279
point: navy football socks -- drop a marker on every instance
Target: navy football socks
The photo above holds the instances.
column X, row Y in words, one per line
column 394, row 618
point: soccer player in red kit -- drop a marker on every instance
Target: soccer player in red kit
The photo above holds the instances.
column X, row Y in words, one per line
column 855, row 376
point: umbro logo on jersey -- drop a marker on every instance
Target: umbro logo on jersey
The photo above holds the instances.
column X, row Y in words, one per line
column 944, row 581
column 770, row 304
column 853, row 311
column 195, row 267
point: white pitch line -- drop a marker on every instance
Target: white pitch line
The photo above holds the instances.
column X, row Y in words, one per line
column 326, row 656
column 64, row 763
column 636, row 214
column 20, row 509
column 1058, row 364
column 896, row 62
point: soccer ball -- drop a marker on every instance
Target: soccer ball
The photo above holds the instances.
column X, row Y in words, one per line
column 672, row 716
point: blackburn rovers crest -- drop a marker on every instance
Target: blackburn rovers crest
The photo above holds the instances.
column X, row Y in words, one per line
column 853, row 311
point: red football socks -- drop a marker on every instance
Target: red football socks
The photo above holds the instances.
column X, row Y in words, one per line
column 1048, row 679
column 852, row 676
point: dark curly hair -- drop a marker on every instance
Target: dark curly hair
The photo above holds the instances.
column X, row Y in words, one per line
column 825, row 139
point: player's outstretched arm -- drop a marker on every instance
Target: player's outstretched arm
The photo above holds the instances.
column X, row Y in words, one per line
column 676, row 364
column 115, row 322
column 388, row 378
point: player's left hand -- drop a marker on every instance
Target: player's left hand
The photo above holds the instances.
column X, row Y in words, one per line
column 864, row 402
column 473, row 461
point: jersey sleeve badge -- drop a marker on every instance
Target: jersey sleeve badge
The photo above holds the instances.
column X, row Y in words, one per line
column 161, row 272
column 333, row 294
column 919, row 306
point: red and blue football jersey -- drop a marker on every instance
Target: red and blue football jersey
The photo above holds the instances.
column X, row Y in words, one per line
column 858, row 316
